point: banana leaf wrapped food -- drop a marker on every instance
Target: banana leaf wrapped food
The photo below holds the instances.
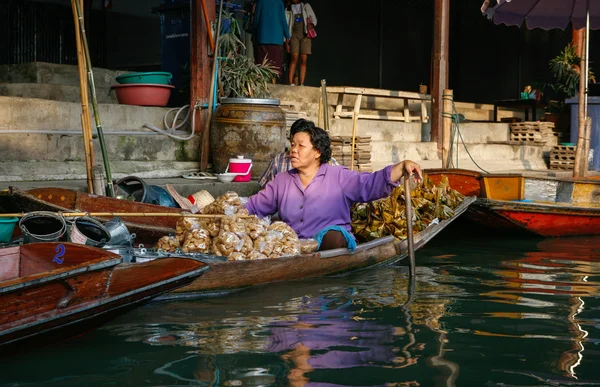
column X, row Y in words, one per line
column 387, row 216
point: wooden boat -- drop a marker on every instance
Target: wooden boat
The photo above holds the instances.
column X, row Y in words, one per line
column 147, row 229
column 231, row 276
column 42, row 291
column 553, row 207
column 465, row 181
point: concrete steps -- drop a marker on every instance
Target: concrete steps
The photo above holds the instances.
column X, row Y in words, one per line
column 14, row 171
column 35, row 114
column 65, row 93
column 55, row 74
column 494, row 157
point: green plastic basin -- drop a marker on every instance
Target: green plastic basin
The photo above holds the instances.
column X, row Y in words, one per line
column 157, row 78
column 7, row 226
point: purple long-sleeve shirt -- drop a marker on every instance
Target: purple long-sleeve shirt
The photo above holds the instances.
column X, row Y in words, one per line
column 326, row 200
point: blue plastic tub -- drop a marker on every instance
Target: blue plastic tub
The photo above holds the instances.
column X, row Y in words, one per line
column 7, row 226
column 156, row 78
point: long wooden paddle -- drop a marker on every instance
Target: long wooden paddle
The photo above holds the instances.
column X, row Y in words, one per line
column 139, row 214
column 409, row 225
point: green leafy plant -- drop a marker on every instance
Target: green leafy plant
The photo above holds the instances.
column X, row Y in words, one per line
column 565, row 69
column 240, row 77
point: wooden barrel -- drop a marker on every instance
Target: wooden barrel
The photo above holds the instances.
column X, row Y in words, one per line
column 252, row 127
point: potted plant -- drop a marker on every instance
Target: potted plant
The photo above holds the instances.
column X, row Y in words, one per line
column 565, row 69
column 248, row 121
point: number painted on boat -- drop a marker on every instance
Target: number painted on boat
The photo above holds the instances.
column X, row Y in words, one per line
column 60, row 251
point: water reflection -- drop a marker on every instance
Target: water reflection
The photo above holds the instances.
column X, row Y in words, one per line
column 311, row 328
column 484, row 312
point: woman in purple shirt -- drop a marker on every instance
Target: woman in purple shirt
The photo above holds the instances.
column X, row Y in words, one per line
column 314, row 196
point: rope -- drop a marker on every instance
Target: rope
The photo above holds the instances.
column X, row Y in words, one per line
column 456, row 118
column 170, row 131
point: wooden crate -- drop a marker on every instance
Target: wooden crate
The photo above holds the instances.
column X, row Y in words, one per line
column 529, row 136
column 562, row 157
column 530, row 131
column 561, row 165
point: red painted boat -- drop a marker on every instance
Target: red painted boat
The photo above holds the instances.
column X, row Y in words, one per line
column 524, row 205
column 551, row 207
column 51, row 287
column 465, row 181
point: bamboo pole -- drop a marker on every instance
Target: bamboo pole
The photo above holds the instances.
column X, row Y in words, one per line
column 205, row 142
column 88, row 61
column 86, row 121
column 320, row 122
column 581, row 158
column 357, row 103
column 324, row 105
column 446, row 126
column 128, row 214
column 409, row 225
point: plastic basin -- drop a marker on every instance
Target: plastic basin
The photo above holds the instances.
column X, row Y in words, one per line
column 7, row 226
column 143, row 94
column 158, row 78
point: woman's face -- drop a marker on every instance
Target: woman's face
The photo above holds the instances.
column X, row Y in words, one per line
column 302, row 152
column 296, row 1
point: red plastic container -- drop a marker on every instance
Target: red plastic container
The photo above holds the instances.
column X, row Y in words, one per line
column 241, row 166
column 143, row 94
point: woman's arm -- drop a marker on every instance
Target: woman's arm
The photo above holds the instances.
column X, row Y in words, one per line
column 366, row 187
column 408, row 167
column 265, row 202
column 311, row 14
column 284, row 23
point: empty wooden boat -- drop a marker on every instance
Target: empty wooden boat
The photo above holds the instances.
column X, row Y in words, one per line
column 45, row 287
column 554, row 207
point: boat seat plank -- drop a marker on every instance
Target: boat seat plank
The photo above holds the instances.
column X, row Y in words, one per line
column 9, row 263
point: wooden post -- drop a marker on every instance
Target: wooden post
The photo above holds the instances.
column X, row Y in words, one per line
column 357, row 103
column 446, row 127
column 325, row 105
column 581, row 158
column 578, row 41
column 320, row 110
column 86, row 120
column 200, row 71
column 441, row 41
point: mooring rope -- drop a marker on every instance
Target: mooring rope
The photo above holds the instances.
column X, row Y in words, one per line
column 456, row 118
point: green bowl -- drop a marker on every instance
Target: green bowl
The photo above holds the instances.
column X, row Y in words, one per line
column 157, row 78
column 7, row 226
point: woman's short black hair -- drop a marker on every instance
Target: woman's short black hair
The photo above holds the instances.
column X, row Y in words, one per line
column 318, row 137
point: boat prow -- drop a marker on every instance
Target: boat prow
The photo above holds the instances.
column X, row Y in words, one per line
column 66, row 287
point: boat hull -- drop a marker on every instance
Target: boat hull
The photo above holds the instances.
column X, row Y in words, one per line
column 548, row 220
column 56, row 298
column 225, row 277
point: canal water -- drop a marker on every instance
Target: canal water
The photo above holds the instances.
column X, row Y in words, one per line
column 485, row 312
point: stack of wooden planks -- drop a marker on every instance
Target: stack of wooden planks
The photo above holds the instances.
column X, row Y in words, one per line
column 341, row 148
column 562, row 157
column 533, row 132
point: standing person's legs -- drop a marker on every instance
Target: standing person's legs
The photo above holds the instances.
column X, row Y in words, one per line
column 303, row 60
column 292, row 67
column 305, row 51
